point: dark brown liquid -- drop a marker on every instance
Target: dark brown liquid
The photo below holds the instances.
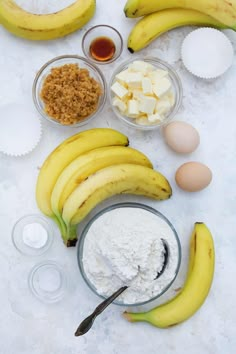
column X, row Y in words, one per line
column 102, row 49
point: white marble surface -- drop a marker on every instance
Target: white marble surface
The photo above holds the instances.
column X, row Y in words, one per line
column 27, row 326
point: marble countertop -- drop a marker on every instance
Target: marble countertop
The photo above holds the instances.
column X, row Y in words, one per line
column 29, row 327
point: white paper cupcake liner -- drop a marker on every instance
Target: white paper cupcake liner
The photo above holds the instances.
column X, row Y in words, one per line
column 20, row 130
column 207, row 53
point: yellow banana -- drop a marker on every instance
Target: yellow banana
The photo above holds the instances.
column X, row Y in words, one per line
column 49, row 26
column 87, row 164
column 196, row 288
column 119, row 179
column 151, row 26
column 222, row 10
column 65, row 153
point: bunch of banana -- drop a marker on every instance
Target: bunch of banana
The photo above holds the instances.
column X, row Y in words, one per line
column 88, row 168
column 196, row 288
column 163, row 15
column 44, row 27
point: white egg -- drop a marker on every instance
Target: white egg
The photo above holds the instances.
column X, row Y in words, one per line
column 181, row 137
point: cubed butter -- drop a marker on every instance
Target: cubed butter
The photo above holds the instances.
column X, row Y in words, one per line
column 119, row 104
column 154, row 118
column 161, row 87
column 137, row 94
column 163, row 106
column 171, row 98
column 141, row 66
column 142, row 120
column 122, row 76
column 156, row 75
column 119, row 90
column 147, row 104
column 134, row 80
column 133, row 108
column 147, row 86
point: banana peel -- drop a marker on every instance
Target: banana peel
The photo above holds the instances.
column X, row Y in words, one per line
column 45, row 27
column 195, row 290
column 223, row 11
column 152, row 26
column 110, row 181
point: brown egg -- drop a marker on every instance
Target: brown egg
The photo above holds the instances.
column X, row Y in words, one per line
column 181, row 137
column 193, row 176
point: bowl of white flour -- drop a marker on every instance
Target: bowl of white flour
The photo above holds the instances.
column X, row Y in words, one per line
column 123, row 245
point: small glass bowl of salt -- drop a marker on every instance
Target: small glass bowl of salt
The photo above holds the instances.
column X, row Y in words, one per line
column 32, row 235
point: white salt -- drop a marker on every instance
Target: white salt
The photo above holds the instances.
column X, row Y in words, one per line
column 35, row 235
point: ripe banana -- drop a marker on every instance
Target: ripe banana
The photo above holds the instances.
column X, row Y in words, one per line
column 152, row 26
column 87, row 164
column 65, row 153
column 49, row 26
column 222, row 10
column 196, row 288
column 119, row 179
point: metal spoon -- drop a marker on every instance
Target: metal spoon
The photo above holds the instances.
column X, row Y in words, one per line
column 87, row 323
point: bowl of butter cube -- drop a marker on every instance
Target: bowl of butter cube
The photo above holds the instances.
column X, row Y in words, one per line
column 145, row 93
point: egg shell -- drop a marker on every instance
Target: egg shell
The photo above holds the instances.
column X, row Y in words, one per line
column 193, row 176
column 181, row 137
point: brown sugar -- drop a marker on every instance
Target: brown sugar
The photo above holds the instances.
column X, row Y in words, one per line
column 70, row 94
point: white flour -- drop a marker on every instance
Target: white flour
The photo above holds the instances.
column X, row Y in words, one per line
column 124, row 247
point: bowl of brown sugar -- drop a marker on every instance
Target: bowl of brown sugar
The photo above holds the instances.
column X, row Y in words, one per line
column 69, row 90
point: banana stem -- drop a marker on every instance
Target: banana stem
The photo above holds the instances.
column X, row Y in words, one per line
column 70, row 238
column 135, row 317
column 68, row 232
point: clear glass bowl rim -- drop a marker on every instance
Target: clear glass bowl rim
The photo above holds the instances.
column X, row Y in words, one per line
column 100, row 213
column 64, row 57
column 173, row 74
column 50, row 238
column 64, row 281
column 113, row 58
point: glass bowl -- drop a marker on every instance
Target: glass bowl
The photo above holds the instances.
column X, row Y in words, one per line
column 176, row 89
column 48, row 282
column 32, row 235
column 125, row 205
column 102, row 31
column 57, row 62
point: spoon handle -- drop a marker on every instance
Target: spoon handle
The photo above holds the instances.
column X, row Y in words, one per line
column 100, row 308
column 87, row 323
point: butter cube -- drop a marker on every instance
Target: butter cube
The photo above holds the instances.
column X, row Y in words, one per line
column 134, row 80
column 161, row 87
column 141, row 66
column 156, row 75
column 171, row 98
column 137, row 94
column 133, row 108
column 147, row 86
column 119, row 104
column 163, row 106
column 119, row 90
column 154, row 118
column 121, row 77
column 142, row 120
column 147, row 104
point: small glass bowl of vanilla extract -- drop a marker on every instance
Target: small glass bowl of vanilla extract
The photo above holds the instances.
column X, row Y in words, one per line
column 102, row 44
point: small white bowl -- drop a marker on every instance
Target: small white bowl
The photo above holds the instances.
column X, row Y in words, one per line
column 207, row 53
